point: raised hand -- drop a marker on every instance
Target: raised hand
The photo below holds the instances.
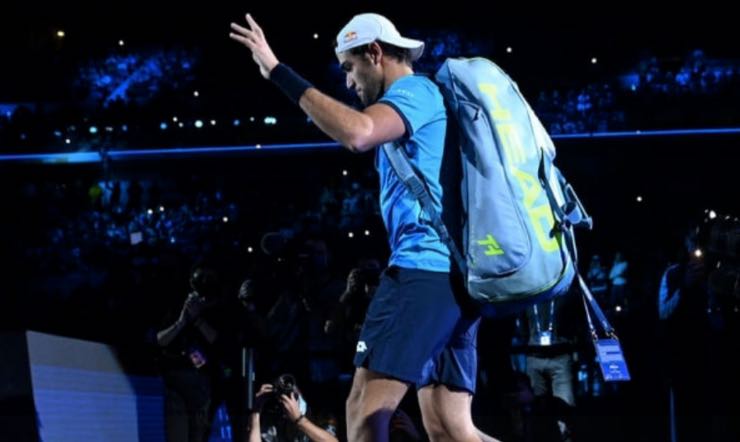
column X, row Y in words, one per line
column 254, row 38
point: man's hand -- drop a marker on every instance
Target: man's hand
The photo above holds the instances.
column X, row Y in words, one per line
column 261, row 397
column 329, row 326
column 193, row 307
column 695, row 273
column 353, row 281
column 290, row 404
column 254, row 39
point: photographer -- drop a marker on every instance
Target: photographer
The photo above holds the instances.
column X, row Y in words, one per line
column 698, row 309
column 550, row 330
column 281, row 414
column 349, row 314
column 200, row 361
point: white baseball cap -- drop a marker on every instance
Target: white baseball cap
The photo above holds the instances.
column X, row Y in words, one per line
column 367, row 28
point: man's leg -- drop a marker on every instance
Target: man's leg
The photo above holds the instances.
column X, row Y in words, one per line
column 562, row 379
column 561, row 372
column 370, row 405
column 536, row 368
column 187, row 401
column 175, row 416
column 447, row 417
column 411, row 316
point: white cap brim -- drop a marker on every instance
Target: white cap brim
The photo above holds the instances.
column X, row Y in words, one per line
column 415, row 46
column 366, row 28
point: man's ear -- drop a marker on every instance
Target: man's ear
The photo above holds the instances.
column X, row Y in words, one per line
column 375, row 52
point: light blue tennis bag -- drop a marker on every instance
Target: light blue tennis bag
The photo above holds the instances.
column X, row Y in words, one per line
column 517, row 245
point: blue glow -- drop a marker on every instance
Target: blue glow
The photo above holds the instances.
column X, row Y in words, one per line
column 123, row 407
column 630, row 81
column 648, row 133
column 198, row 124
column 74, row 157
column 237, row 122
column 134, row 77
column 438, row 49
column 163, row 126
column 93, row 130
column 8, row 108
column 186, row 151
column 91, row 157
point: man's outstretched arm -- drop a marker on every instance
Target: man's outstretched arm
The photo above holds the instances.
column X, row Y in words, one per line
column 357, row 131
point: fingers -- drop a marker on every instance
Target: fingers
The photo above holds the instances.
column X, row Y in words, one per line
column 265, row 388
column 288, row 401
column 245, row 32
column 290, row 405
column 254, row 26
column 285, row 402
column 238, row 28
column 243, row 40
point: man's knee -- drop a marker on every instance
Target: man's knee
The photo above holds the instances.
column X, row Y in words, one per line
column 371, row 401
column 446, row 414
column 429, row 418
column 448, row 428
column 460, row 430
column 433, row 419
column 359, row 383
column 353, row 403
column 433, row 427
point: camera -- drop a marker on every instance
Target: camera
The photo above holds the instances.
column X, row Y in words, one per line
column 204, row 282
column 285, row 384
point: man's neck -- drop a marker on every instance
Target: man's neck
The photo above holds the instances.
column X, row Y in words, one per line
column 394, row 71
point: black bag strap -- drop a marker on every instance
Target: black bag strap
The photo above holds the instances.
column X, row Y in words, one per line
column 404, row 170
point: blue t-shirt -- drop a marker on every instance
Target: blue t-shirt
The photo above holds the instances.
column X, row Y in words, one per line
column 413, row 241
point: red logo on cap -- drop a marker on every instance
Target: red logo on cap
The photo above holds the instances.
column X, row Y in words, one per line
column 349, row 36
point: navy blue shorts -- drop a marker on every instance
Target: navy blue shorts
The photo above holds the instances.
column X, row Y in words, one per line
column 417, row 330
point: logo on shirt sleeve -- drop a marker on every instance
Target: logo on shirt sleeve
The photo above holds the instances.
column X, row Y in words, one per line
column 404, row 92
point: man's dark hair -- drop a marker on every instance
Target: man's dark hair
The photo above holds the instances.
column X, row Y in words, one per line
column 403, row 55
